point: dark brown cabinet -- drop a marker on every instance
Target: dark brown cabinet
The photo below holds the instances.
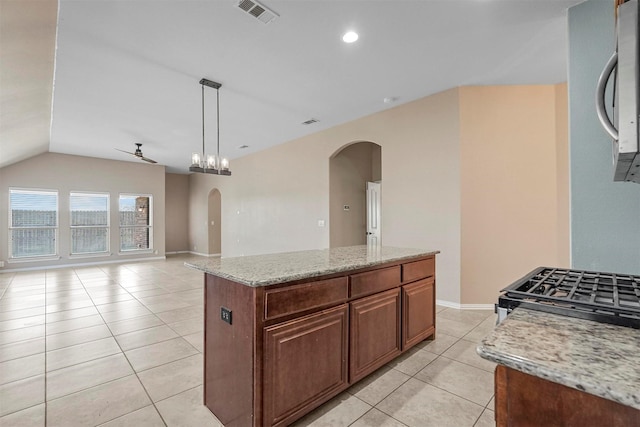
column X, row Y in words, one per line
column 289, row 347
column 524, row 400
column 418, row 312
column 375, row 332
column 305, row 363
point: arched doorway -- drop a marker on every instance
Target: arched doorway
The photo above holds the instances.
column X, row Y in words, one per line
column 214, row 222
column 350, row 169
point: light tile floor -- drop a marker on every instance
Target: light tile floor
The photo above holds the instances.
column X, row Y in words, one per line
column 121, row 345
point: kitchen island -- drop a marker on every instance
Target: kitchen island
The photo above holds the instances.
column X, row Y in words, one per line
column 555, row 370
column 284, row 333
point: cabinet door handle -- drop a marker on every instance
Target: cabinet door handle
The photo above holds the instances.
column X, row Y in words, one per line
column 600, row 90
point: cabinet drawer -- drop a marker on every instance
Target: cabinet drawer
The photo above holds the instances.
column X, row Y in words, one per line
column 294, row 299
column 418, row 269
column 374, row 281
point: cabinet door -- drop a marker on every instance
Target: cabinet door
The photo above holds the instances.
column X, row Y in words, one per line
column 305, row 364
column 375, row 332
column 418, row 312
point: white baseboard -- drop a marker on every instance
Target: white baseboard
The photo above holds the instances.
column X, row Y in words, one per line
column 207, row 255
column 177, row 252
column 447, row 304
column 82, row 264
column 477, row 307
column 459, row 306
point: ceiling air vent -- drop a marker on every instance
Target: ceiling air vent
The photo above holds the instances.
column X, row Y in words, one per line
column 257, row 10
column 310, row 121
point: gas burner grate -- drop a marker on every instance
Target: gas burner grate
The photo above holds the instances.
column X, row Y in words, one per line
column 605, row 297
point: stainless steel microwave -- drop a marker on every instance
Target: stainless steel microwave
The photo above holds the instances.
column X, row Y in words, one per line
column 622, row 124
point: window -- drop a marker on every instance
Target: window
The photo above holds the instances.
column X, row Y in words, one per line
column 89, row 223
column 33, row 223
column 135, row 222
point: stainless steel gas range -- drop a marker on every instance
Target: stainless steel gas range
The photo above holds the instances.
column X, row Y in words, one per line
column 603, row 297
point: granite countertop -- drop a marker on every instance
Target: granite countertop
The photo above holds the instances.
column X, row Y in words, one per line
column 597, row 358
column 263, row 270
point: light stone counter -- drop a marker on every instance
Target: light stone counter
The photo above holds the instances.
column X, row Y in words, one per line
column 263, row 270
column 597, row 358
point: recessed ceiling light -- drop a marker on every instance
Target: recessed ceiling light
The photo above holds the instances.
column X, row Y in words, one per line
column 350, row 37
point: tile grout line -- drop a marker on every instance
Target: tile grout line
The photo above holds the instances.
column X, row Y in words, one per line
column 380, row 401
column 370, row 410
column 30, row 355
column 447, row 391
column 448, row 358
column 129, row 362
column 161, row 320
column 414, row 377
column 46, row 404
column 464, row 363
column 180, row 336
column 4, row 291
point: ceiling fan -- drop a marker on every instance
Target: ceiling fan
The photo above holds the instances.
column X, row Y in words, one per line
column 138, row 153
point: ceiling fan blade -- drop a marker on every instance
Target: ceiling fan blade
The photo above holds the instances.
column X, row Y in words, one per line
column 128, row 152
column 138, row 154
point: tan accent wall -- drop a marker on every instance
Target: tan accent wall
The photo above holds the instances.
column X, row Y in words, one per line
column 66, row 173
column 562, row 176
column 513, row 185
column 177, row 212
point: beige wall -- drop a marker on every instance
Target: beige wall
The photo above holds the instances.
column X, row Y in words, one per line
column 200, row 185
column 513, row 185
column 274, row 199
column 67, row 173
column 215, row 222
column 270, row 204
column 177, row 212
column 376, row 163
column 349, row 172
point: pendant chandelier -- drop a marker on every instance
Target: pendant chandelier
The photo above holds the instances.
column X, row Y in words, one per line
column 210, row 163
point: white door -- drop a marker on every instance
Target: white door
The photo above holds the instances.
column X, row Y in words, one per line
column 373, row 214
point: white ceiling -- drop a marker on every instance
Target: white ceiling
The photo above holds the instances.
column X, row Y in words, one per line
column 128, row 71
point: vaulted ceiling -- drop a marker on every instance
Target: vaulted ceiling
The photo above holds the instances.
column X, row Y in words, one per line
column 128, row 71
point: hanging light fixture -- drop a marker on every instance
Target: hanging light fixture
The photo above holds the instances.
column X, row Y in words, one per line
column 210, row 163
